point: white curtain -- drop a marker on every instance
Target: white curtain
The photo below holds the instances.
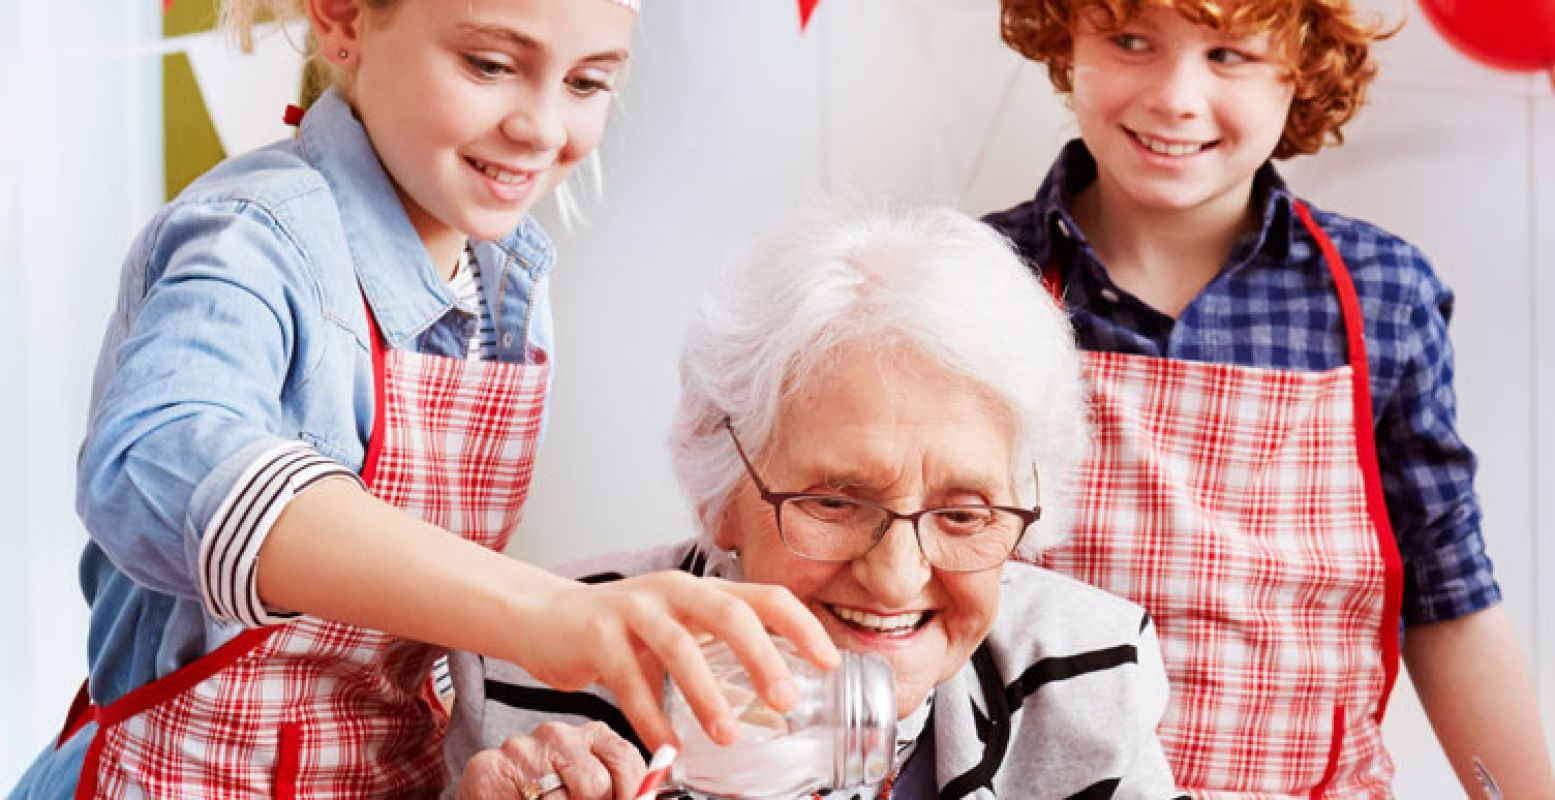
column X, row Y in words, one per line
column 80, row 171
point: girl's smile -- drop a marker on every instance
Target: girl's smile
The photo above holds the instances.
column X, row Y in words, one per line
column 507, row 184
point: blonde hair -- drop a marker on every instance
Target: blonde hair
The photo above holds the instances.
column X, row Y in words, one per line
column 239, row 17
column 1327, row 47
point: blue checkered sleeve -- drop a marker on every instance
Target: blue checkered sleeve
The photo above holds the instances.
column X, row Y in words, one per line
column 1427, row 470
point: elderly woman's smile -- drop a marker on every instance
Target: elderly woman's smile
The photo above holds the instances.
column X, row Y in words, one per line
column 889, row 427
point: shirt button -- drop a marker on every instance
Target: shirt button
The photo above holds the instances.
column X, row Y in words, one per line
column 1063, row 228
column 1109, row 295
column 507, row 340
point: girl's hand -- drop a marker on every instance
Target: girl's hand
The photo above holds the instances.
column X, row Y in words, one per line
column 591, row 760
column 626, row 634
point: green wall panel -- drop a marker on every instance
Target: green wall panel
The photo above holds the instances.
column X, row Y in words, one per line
column 189, row 144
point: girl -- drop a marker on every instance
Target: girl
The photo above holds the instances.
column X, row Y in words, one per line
column 314, row 421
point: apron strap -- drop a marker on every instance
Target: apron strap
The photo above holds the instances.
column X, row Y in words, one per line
column 1366, row 450
column 375, row 439
column 158, row 691
column 1052, row 277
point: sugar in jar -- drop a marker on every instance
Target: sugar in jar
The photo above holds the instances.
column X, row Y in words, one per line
column 840, row 734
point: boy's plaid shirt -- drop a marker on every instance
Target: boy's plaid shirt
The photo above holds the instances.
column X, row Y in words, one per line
column 1273, row 305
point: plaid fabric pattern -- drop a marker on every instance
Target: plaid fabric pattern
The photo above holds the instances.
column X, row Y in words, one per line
column 1273, row 306
column 318, row 710
column 470, row 430
column 315, row 709
column 1228, row 501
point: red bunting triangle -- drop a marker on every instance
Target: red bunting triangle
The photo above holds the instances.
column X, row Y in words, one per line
column 166, row 5
column 806, row 8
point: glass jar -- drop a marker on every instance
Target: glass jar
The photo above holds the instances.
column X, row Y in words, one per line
column 840, row 734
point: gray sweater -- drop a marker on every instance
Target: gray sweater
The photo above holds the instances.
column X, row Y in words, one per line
column 1060, row 701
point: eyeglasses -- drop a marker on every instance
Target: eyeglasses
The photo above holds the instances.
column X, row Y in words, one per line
column 837, row 528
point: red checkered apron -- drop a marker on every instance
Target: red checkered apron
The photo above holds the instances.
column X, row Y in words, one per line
column 1242, row 507
column 317, row 709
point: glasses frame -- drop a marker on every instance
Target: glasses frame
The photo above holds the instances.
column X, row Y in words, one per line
column 777, row 499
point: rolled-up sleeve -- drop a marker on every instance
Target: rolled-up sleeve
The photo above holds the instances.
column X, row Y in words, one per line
column 187, row 407
column 1428, row 473
column 229, row 551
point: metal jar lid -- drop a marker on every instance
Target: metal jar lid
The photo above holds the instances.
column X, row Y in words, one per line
column 868, row 723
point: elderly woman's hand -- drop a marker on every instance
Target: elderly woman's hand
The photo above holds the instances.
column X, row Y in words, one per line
column 591, row 761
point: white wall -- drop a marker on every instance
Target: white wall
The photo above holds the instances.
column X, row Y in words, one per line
column 719, row 127
column 80, row 171
column 1542, row 468
column 731, row 117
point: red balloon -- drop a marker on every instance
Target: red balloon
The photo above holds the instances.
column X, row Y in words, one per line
column 1506, row 34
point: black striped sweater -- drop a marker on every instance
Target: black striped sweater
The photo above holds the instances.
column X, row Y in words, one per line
column 1060, row 701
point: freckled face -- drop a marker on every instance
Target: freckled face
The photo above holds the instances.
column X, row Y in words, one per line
column 894, row 429
column 478, row 108
column 1178, row 115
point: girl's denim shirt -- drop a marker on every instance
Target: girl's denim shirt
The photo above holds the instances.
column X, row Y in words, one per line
column 240, row 327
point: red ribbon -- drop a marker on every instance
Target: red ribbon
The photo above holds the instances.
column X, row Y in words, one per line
column 806, row 8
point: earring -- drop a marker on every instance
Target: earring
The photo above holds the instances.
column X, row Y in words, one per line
column 734, row 554
column 342, row 53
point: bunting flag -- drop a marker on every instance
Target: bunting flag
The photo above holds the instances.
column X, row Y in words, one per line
column 806, row 8
column 245, row 94
column 167, row 5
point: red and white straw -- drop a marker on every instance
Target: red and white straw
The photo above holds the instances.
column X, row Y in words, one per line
column 658, row 771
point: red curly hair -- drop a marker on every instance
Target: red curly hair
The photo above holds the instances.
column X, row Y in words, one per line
column 1327, row 47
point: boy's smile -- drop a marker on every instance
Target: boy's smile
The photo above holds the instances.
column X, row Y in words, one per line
column 1179, row 116
column 1170, row 148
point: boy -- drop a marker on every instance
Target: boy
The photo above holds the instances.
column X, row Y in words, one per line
column 1277, row 474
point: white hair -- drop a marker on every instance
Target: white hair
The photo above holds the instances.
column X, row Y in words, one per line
column 844, row 272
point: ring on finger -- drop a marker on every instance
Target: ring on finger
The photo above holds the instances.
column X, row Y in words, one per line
column 543, row 785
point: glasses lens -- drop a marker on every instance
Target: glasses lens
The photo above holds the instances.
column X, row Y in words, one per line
column 828, row 527
column 967, row 538
column 959, row 539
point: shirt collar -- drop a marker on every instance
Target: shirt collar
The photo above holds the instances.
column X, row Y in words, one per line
column 1075, row 169
column 1274, row 200
column 405, row 290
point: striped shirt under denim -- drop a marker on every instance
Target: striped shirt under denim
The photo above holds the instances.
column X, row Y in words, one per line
column 1273, row 305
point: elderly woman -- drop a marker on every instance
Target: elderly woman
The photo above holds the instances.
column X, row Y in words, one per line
column 864, row 383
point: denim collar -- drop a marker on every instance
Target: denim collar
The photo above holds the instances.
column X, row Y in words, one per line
column 405, row 290
column 1075, row 169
